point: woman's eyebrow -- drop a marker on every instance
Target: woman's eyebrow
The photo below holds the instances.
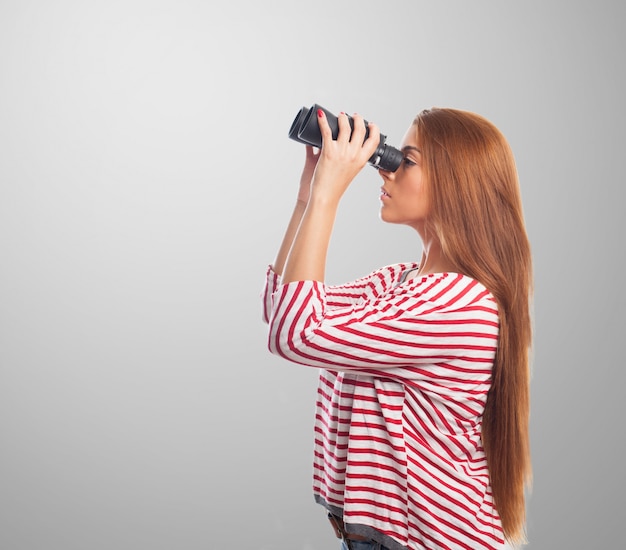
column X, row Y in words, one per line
column 411, row 148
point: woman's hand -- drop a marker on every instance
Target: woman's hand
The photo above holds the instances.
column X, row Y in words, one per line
column 342, row 159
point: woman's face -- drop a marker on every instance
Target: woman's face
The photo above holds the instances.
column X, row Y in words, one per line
column 404, row 194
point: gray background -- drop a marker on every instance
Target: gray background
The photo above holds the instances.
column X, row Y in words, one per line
column 145, row 181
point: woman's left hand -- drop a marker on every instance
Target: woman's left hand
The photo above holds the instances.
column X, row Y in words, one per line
column 342, row 159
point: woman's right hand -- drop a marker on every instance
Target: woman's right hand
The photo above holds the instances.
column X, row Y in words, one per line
column 307, row 174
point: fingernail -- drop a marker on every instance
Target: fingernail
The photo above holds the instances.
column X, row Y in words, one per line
column 342, row 113
column 320, row 113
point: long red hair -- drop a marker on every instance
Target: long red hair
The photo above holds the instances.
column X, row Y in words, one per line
column 477, row 215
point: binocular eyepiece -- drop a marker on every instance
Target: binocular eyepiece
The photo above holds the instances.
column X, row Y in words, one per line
column 305, row 129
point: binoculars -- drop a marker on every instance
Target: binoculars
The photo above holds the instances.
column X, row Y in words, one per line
column 305, row 129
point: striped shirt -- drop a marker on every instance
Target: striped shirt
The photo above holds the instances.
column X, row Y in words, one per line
column 405, row 371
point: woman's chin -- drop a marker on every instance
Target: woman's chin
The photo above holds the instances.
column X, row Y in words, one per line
column 384, row 216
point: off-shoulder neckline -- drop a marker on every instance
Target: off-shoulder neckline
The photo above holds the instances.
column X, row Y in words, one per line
column 420, row 278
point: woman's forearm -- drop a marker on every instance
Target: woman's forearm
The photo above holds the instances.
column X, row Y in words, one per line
column 306, row 260
column 290, row 234
column 298, row 211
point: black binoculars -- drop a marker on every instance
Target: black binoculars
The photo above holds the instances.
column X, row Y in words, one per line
column 305, row 129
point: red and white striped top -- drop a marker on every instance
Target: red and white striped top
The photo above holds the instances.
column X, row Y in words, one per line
column 406, row 367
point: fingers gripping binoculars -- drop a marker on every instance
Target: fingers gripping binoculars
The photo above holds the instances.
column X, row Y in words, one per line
column 305, row 129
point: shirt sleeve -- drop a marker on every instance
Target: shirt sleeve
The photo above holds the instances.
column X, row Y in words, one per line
column 371, row 286
column 439, row 319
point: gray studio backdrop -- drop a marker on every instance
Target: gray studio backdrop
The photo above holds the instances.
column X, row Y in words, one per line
column 145, row 181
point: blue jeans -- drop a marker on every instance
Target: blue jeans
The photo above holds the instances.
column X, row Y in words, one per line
column 363, row 545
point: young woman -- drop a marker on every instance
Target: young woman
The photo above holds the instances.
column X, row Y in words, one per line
column 421, row 429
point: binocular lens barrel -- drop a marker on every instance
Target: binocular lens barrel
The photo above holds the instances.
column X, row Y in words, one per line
column 305, row 129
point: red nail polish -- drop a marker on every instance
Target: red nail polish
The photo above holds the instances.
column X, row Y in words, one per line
column 320, row 113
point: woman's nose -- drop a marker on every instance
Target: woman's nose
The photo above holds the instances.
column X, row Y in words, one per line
column 385, row 174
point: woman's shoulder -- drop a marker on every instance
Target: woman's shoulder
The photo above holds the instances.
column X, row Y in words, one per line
column 398, row 273
column 447, row 290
